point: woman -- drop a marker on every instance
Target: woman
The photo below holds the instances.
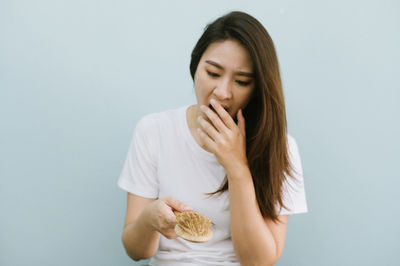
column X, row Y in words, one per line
column 184, row 159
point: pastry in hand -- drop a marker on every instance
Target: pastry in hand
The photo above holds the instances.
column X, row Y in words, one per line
column 193, row 226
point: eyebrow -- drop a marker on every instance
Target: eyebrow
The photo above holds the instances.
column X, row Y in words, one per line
column 239, row 73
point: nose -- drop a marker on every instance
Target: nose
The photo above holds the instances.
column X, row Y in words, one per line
column 223, row 90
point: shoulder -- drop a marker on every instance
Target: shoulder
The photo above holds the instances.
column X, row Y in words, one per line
column 291, row 141
column 161, row 116
column 292, row 147
column 293, row 187
column 294, row 154
column 159, row 120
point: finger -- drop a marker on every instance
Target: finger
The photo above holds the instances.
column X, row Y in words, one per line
column 176, row 204
column 223, row 114
column 208, row 128
column 214, row 118
column 241, row 122
column 171, row 234
column 206, row 142
column 168, row 229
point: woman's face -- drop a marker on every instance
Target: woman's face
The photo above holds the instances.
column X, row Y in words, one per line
column 225, row 74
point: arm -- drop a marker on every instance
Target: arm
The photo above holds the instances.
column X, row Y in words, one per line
column 139, row 238
column 145, row 220
column 257, row 240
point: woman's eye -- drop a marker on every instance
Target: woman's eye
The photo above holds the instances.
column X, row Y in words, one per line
column 242, row 83
column 212, row 74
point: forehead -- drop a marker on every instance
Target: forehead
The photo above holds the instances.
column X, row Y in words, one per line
column 230, row 54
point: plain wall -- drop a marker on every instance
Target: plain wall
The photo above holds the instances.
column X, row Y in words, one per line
column 76, row 76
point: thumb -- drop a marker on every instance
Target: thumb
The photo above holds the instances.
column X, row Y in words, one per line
column 241, row 122
column 177, row 204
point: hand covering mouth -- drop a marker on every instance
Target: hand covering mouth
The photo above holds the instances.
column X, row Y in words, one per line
column 212, row 108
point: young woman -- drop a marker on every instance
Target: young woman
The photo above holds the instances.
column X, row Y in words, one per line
column 228, row 157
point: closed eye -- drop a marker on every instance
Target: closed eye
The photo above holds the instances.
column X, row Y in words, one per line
column 242, row 83
column 212, row 74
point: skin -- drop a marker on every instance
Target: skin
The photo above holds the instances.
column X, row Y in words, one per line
column 224, row 80
column 225, row 75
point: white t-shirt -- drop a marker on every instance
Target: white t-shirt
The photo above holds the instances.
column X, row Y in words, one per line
column 165, row 160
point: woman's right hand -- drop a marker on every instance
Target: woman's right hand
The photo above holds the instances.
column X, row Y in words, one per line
column 162, row 217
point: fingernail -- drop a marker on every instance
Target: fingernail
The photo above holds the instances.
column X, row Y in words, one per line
column 212, row 101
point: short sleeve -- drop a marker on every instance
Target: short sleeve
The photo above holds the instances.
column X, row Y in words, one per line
column 294, row 197
column 139, row 173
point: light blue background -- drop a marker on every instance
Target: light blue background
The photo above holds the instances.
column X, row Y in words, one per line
column 75, row 77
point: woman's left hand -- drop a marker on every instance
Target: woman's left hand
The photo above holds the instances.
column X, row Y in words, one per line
column 223, row 137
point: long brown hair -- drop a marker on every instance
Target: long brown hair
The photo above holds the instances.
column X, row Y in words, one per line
column 265, row 115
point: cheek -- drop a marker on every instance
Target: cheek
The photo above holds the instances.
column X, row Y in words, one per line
column 197, row 85
column 199, row 90
column 202, row 86
column 245, row 97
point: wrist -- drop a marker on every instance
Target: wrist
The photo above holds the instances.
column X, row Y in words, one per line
column 240, row 171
